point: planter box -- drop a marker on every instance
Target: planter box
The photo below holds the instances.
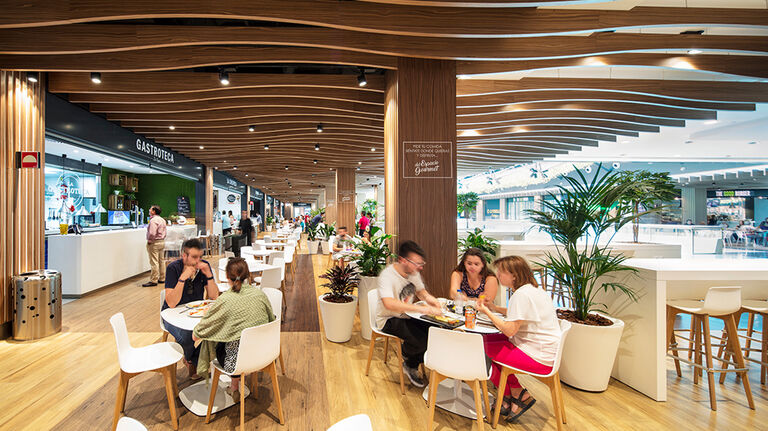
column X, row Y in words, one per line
column 589, row 354
column 325, row 246
column 366, row 285
column 337, row 319
column 312, row 246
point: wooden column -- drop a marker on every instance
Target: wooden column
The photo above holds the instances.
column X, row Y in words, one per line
column 330, row 203
column 345, row 198
column 420, row 163
column 208, row 199
column 22, row 237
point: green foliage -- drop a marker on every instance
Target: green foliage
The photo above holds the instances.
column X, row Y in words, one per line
column 328, row 230
column 374, row 256
column 646, row 189
column 476, row 239
column 466, row 202
column 370, row 206
column 270, row 220
column 317, row 211
column 585, row 210
column 312, row 232
column 341, row 282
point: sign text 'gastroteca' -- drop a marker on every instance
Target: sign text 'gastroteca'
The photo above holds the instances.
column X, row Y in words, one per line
column 154, row 151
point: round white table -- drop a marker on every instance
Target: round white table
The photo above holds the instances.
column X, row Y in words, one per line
column 195, row 396
column 256, row 253
column 454, row 395
column 253, row 266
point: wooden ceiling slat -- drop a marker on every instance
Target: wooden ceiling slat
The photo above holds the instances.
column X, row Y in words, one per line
column 258, row 122
column 723, row 91
column 516, row 130
column 258, row 131
column 513, row 144
column 477, row 120
column 201, row 117
column 214, row 105
column 608, row 124
column 603, row 106
column 180, row 82
column 296, row 138
column 375, row 18
column 544, row 138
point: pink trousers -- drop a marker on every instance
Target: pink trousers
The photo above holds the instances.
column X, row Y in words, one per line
column 498, row 348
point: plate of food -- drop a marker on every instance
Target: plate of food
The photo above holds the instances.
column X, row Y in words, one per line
column 199, row 312
column 198, row 304
column 445, row 321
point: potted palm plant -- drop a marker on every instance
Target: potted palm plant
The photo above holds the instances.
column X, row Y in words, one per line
column 327, row 231
column 576, row 218
column 370, row 263
column 476, row 239
column 312, row 241
column 337, row 307
column 270, row 222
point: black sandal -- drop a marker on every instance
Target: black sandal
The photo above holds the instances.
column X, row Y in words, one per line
column 504, row 411
column 522, row 404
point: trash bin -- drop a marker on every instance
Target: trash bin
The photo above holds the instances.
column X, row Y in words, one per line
column 37, row 304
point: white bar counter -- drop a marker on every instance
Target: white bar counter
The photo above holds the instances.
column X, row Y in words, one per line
column 641, row 360
column 93, row 260
column 534, row 251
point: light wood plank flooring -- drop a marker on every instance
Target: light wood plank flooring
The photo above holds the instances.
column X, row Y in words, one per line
column 68, row 381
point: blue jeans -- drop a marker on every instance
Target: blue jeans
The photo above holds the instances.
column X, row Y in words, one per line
column 184, row 338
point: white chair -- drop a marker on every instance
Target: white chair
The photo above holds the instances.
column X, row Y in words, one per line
column 756, row 307
column 552, row 380
column 376, row 333
column 353, row 423
column 269, row 278
column 721, row 303
column 267, row 239
column 276, row 301
column 259, row 349
column 469, row 366
column 160, row 358
column 228, row 254
column 162, row 323
column 280, row 263
column 259, row 246
column 129, row 424
column 288, row 255
column 274, row 254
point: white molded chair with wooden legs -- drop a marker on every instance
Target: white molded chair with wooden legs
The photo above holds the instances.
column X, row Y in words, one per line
column 376, row 333
column 259, row 349
column 288, row 255
column 756, row 307
column 162, row 323
column 275, row 297
column 160, row 358
column 552, row 380
column 722, row 303
column 469, row 366
column 353, row 423
column 129, row 424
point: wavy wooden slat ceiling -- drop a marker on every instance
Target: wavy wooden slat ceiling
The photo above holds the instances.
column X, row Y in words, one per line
column 295, row 66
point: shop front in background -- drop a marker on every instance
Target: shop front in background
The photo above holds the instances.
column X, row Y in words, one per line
column 734, row 206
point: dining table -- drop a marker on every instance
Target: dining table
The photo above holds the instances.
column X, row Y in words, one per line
column 195, row 396
column 253, row 266
column 260, row 254
column 454, row 395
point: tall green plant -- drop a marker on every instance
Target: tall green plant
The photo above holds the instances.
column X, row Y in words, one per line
column 646, row 189
column 370, row 206
column 341, row 283
column 584, row 210
column 328, row 230
column 466, row 203
column 476, row 239
column 312, row 232
column 374, row 255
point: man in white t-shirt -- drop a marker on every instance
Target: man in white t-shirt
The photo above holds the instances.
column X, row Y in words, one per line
column 399, row 284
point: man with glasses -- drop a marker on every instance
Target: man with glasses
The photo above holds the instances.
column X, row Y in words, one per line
column 399, row 284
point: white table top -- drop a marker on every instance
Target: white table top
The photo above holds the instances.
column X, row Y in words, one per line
column 705, row 268
column 257, row 253
column 253, row 266
column 179, row 318
column 479, row 329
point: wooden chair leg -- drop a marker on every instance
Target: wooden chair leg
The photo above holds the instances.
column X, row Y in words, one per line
column 710, row 366
column 671, row 338
column 750, row 331
column 697, row 348
column 282, row 365
column 433, row 382
column 171, row 396
column 478, row 405
column 561, row 396
column 692, row 332
column 276, row 389
column 212, row 396
column 402, row 374
column 165, row 336
column 122, row 390
column 733, row 339
column 500, row 395
column 242, row 402
column 370, row 352
column 550, row 381
column 484, row 385
column 764, row 356
column 386, row 348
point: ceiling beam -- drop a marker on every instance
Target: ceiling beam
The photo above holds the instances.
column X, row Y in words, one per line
column 602, row 106
column 493, row 118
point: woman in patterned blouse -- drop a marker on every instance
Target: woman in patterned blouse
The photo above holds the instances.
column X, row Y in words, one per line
column 473, row 277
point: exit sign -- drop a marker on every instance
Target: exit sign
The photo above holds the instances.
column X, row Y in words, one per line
column 28, row 159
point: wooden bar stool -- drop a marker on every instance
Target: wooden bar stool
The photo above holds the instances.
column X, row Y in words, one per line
column 757, row 308
column 722, row 303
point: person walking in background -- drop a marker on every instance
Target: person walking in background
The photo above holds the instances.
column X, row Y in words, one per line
column 363, row 223
column 156, row 231
column 246, row 227
column 226, row 225
column 231, row 218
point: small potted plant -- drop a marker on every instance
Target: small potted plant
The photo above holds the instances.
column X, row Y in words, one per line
column 476, row 239
column 328, row 231
column 337, row 307
column 370, row 263
column 312, row 241
column 270, row 222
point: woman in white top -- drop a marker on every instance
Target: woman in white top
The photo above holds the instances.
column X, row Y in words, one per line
column 530, row 332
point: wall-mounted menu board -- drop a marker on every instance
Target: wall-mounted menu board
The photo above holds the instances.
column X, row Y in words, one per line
column 183, row 206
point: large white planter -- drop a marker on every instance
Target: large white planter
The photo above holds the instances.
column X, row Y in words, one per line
column 269, row 228
column 312, row 246
column 325, row 246
column 366, row 285
column 589, row 354
column 337, row 319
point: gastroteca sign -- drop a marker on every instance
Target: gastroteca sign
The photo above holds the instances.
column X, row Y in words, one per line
column 154, row 151
column 428, row 159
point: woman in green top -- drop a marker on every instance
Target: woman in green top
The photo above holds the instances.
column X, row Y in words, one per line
column 243, row 306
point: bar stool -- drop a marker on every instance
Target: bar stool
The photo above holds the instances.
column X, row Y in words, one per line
column 757, row 308
column 722, row 303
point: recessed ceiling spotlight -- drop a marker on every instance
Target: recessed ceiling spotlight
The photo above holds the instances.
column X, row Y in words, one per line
column 320, row 128
column 317, row 147
column 357, row 168
column 373, row 149
column 266, row 147
column 96, row 77
column 694, row 51
column 314, row 161
column 361, row 81
column 359, row 163
column 172, row 127
column 202, row 147
column 234, row 167
column 32, row 76
column 286, row 167
column 224, row 78
column 246, row 175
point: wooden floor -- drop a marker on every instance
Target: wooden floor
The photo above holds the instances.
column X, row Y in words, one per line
column 68, row 381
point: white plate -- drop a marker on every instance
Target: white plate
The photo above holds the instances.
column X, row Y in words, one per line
column 194, row 304
column 486, row 319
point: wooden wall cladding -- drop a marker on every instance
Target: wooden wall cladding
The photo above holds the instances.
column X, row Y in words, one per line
column 345, row 199
column 22, row 128
column 423, row 102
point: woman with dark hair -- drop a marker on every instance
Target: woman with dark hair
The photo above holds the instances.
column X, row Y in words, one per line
column 472, row 278
column 242, row 306
column 529, row 335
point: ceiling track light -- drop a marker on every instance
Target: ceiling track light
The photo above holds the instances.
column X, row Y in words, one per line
column 286, row 167
column 373, row 149
column 234, row 167
column 251, row 128
column 96, row 77
column 317, row 147
column 361, row 81
column 32, row 77
column 266, row 147
column 224, row 78
column 314, row 161
column 320, row 128
column 172, row 127
column 202, row 147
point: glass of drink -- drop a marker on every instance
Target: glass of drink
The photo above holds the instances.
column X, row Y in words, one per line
column 63, row 228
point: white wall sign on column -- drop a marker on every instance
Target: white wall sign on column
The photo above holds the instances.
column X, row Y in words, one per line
column 427, row 159
column 346, row 196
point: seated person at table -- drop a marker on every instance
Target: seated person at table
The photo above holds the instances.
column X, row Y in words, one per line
column 472, row 278
column 398, row 285
column 530, row 332
column 366, row 238
column 186, row 280
column 218, row 333
column 342, row 242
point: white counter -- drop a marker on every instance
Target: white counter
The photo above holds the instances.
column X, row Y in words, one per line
column 641, row 360
column 93, row 260
column 533, row 251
